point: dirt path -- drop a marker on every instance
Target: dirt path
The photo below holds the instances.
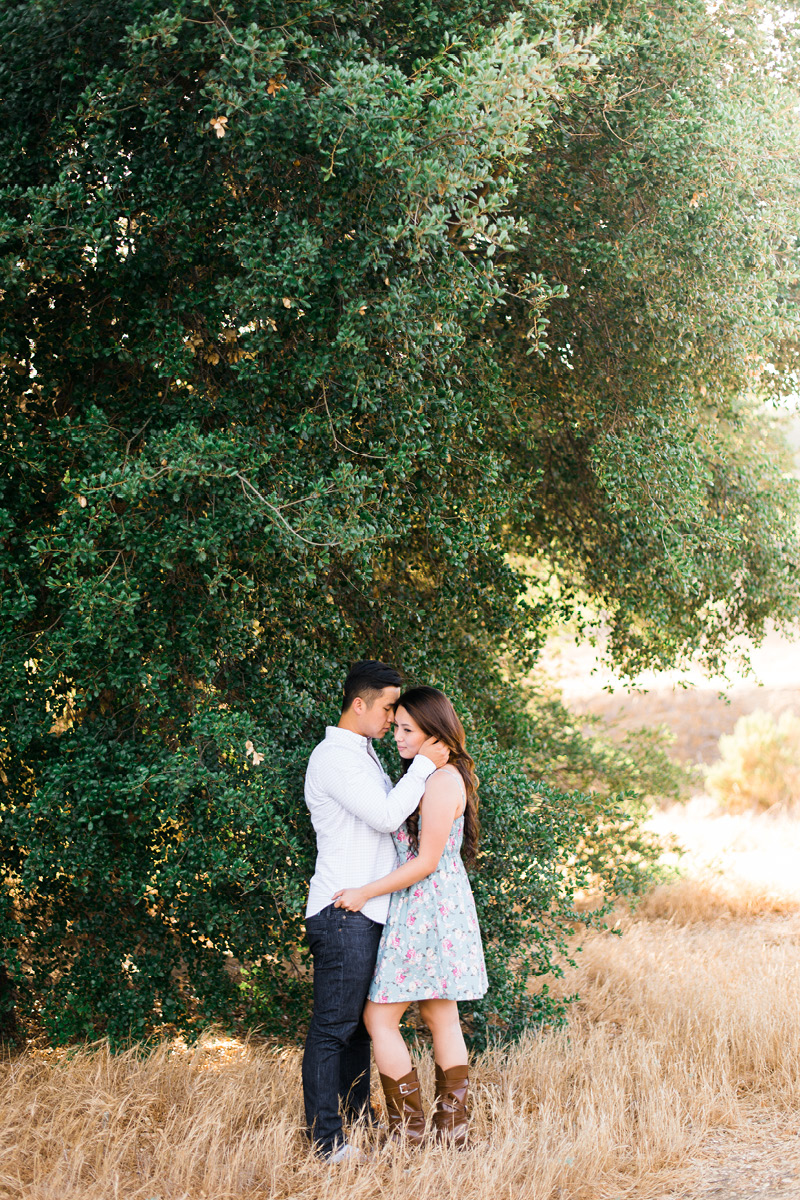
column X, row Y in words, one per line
column 752, row 1166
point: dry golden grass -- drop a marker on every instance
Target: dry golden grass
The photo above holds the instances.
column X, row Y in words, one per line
column 688, row 1025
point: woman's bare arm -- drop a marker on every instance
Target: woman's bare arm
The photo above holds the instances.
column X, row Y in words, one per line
column 438, row 809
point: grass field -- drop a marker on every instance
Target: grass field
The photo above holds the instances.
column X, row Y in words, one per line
column 678, row 1074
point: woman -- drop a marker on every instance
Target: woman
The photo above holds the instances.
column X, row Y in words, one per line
column 431, row 948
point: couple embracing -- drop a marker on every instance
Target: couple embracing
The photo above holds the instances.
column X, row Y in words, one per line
column 390, row 917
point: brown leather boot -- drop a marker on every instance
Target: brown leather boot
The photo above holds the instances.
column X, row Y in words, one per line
column 404, row 1108
column 450, row 1115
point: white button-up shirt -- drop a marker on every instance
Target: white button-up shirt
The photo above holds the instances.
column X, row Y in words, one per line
column 354, row 810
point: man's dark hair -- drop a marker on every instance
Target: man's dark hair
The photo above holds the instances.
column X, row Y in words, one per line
column 367, row 679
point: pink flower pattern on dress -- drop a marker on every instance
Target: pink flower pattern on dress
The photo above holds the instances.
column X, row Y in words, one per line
column 431, row 944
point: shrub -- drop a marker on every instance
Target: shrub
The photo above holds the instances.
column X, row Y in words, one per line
column 759, row 765
column 578, row 752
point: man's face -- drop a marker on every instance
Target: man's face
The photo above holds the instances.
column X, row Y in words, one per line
column 375, row 718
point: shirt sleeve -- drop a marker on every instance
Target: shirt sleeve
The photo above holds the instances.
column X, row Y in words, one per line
column 362, row 793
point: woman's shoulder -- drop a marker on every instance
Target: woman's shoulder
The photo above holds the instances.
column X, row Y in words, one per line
column 443, row 782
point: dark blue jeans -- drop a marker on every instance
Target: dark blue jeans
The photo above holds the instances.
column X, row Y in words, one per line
column 344, row 947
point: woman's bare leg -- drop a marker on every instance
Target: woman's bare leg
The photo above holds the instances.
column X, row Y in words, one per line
column 441, row 1017
column 391, row 1052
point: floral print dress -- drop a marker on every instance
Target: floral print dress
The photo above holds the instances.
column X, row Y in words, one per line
column 431, row 945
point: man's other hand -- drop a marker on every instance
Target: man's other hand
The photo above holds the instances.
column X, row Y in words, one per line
column 435, row 750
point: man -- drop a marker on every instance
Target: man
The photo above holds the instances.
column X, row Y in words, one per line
column 354, row 810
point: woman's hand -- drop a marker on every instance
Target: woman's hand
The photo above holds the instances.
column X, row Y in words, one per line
column 351, row 899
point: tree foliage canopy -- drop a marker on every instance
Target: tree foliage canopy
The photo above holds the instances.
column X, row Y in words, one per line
column 311, row 315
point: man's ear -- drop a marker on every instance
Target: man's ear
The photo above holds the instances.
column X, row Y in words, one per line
column 358, row 706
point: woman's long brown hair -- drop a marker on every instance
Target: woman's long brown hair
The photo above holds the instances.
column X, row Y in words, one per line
column 436, row 717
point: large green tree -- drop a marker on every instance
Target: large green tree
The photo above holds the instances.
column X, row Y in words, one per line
column 279, row 394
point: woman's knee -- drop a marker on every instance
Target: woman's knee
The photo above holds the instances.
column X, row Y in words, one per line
column 371, row 1018
column 439, row 1015
column 380, row 1017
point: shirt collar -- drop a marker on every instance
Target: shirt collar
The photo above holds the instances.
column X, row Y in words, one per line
column 345, row 737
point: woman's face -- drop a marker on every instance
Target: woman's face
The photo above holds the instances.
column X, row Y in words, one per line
column 407, row 733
